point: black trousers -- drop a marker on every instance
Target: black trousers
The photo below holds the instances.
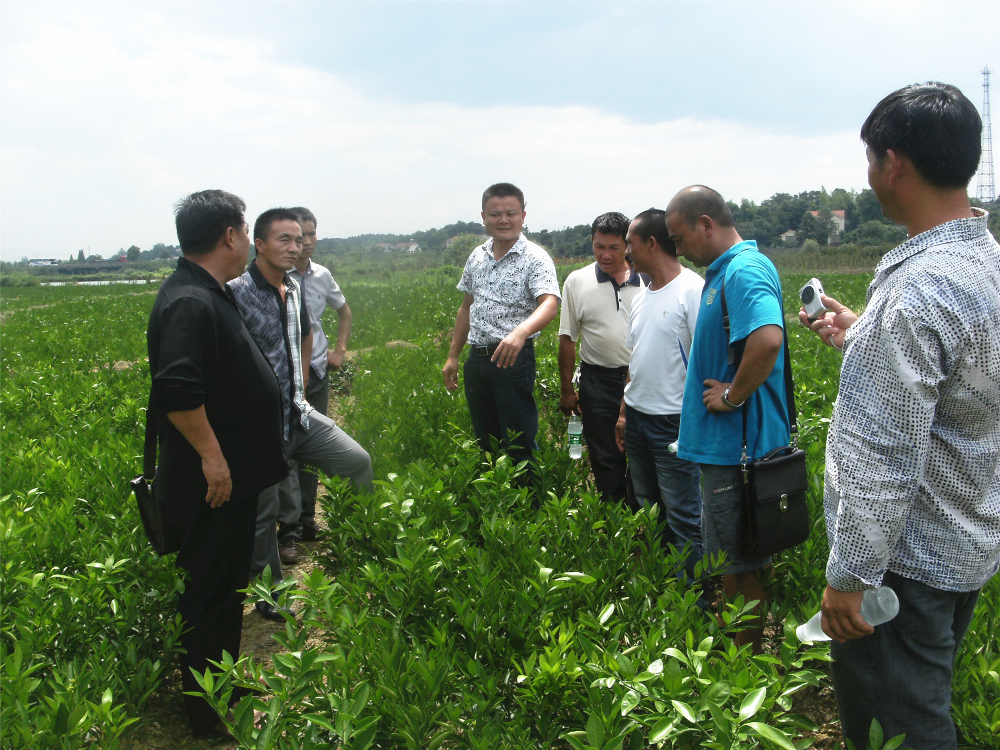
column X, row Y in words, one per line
column 216, row 550
column 601, row 390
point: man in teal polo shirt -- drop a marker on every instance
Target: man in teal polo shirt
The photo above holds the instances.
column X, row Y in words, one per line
column 711, row 432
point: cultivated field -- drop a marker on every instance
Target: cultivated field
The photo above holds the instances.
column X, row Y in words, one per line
column 442, row 612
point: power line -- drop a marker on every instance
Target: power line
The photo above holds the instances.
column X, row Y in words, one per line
column 985, row 189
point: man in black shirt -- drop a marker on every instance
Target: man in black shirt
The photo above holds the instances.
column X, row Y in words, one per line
column 218, row 412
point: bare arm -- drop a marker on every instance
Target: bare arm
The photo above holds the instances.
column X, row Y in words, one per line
column 194, row 426
column 459, row 335
column 620, row 426
column 513, row 342
column 568, row 400
column 335, row 357
column 759, row 356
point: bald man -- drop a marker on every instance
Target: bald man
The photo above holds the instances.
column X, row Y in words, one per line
column 711, row 431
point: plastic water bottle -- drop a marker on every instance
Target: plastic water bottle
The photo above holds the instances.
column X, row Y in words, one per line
column 672, row 447
column 575, row 437
column 877, row 606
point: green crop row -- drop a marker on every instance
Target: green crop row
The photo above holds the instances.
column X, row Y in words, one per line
column 447, row 614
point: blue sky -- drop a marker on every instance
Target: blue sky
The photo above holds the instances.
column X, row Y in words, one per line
column 395, row 116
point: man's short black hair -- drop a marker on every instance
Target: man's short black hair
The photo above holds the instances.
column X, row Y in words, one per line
column 935, row 126
column 698, row 200
column 304, row 214
column 202, row 219
column 503, row 190
column 653, row 223
column 610, row 223
column 262, row 227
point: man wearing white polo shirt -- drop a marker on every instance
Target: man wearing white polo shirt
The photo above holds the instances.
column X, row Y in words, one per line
column 596, row 304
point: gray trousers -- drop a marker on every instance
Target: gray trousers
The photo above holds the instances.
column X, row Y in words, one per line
column 300, row 506
column 325, row 447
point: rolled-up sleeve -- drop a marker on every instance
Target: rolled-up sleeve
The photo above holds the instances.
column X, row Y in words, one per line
column 187, row 351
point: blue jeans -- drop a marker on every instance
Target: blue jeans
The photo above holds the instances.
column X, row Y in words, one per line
column 501, row 401
column 659, row 476
column 901, row 674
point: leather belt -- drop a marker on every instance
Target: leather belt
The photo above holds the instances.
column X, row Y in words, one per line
column 487, row 350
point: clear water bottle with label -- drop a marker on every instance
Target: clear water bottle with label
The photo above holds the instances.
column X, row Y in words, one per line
column 877, row 606
column 575, row 437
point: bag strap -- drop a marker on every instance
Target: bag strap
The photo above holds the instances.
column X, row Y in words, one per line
column 149, row 451
column 734, row 358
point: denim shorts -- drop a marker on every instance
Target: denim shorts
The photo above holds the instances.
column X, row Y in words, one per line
column 722, row 517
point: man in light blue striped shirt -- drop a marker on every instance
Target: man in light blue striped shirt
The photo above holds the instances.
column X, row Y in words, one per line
column 913, row 456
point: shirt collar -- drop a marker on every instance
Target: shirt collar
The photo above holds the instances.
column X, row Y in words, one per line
column 956, row 229
column 518, row 247
column 723, row 260
column 296, row 272
column 262, row 283
column 633, row 280
column 200, row 274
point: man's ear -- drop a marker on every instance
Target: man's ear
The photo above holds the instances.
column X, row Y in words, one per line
column 899, row 165
column 258, row 244
column 707, row 224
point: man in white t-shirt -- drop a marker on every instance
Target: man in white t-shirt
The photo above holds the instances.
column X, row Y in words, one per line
column 661, row 327
column 595, row 308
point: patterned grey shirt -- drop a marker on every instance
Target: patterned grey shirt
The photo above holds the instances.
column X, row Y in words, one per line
column 278, row 332
column 319, row 291
column 506, row 291
column 913, row 455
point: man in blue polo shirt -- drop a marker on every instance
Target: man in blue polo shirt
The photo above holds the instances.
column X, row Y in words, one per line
column 711, row 431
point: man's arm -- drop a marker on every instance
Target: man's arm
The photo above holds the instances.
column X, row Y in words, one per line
column 459, row 335
column 335, row 357
column 307, row 353
column 759, row 355
column 569, row 402
column 513, row 342
column 620, row 425
column 194, row 426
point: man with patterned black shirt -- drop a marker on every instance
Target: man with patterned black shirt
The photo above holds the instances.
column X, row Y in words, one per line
column 270, row 302
column 511, row 294
column 912, row 481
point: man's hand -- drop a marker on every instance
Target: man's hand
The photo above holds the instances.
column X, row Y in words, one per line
column 335, row 358
column 712, row 397
column 450, row 374
column 620, row 432
column 569, row 402
column 842, row 618
column 832, row 325
column 220, row 484
column 508, row 349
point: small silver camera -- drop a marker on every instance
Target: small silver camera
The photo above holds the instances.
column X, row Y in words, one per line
column 810, row 295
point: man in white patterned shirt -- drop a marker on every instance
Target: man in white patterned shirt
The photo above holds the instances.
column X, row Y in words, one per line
column 270, row 302
column 511, row 294
column 913, row 456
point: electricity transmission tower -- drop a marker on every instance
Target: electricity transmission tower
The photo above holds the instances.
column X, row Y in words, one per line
column 985, row 189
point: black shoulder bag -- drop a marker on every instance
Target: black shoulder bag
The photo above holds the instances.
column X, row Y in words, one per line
column 150, row 510
column 776, row 515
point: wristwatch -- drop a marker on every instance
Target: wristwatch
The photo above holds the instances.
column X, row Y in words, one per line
column 727, row 402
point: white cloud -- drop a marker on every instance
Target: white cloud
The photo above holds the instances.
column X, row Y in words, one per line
column 106, row 124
